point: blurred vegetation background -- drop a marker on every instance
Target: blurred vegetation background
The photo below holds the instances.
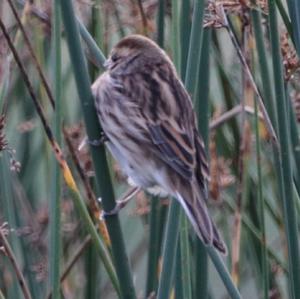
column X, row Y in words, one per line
column 239, row 61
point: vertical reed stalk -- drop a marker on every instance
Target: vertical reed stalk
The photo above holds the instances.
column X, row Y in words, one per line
column 294, row 10
column 186, row 263
column 55, row 227
column 161, row 23
column 285, row 149
column 98, row 154
column 154, row 248
column 169, row 251
column 202, row 110
column 261, row 210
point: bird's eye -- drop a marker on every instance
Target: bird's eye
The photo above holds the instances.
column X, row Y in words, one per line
column 114, row 58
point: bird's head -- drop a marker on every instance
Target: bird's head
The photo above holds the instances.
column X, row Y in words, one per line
column 132, row 53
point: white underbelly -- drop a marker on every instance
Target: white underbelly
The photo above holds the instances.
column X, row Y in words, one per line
column 141, row 173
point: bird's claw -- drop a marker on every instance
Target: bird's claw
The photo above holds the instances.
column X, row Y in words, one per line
column 97, row 142
column 121, row 203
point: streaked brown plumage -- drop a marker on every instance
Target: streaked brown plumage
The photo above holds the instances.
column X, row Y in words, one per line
column 148, row 118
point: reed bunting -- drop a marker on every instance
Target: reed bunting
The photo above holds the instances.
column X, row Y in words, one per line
column 148, row 118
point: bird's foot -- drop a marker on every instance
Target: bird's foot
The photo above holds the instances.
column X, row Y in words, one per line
column 122, row 202
column 97, row 142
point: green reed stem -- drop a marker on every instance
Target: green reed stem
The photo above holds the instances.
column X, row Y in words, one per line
column 185, row 32
column 289, row 210
column 261, row 212
column 169, row 251
column 96, row 54
column 195, row 44
column 55, row 227
column 285, row 17
column 294, row 11
column 98, row 154
column 202, row 110
column 178, row 282
column 224, row 274
column 185, row 250
column 175, row 35
column 161, row 23
column 295, row 145
column 154, row 249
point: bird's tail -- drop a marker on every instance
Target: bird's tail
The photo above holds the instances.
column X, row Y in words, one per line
column 195, row 208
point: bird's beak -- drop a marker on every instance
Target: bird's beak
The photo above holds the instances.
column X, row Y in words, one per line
column 107, row 63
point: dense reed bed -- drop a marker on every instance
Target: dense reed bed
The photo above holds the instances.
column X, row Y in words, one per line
column 239, row 62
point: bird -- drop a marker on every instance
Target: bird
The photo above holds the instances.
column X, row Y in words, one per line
column 148, row 119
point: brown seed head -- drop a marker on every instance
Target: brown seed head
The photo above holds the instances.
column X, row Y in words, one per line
column 3, row 142
column 290, row 59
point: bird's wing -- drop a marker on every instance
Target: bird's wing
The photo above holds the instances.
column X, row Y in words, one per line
column 173, row 130
column 174, row 147
column 179, row 144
